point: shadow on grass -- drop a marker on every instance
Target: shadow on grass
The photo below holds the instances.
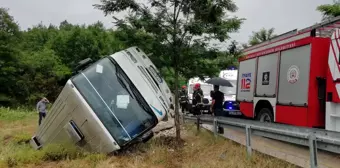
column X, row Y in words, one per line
column 165, row 142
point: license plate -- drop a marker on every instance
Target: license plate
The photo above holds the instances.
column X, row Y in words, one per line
column 235, row 113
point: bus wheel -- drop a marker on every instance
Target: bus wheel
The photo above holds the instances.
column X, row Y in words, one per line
column 265, row 115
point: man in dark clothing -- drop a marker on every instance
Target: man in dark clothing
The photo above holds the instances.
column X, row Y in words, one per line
column 41, row 108
column 198, row 93
column 217, row 104
column 197, row 98
column 183, row 98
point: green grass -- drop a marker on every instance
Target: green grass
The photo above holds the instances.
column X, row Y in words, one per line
column 7, row 114
column 17, row 153
column 22, row 154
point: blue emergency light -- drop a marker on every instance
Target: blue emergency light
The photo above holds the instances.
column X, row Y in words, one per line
column 229, row 105
column 231, row 68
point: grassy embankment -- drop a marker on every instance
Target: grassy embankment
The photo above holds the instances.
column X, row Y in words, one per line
column 199, row 150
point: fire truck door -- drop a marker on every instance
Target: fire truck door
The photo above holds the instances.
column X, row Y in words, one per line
column 294, row 76
column 246, row 77
column 267, row 75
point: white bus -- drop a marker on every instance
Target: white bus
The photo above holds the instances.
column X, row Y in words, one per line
column 152, row 70
column 105, row 107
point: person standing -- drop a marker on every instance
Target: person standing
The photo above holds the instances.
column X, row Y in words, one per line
column 197, row 98
column 41, row 108
column 183, row 98
column 217, row 104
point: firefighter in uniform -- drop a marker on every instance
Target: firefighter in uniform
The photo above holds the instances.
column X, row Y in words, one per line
column 183, row 98
column 197, row 98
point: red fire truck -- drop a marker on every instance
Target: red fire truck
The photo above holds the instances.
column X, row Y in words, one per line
column 294, row 78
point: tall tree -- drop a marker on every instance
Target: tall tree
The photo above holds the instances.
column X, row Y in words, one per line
column 9, row 37
column 330, row 10
column 178, row 26
column 38, row 61
column 261, row 36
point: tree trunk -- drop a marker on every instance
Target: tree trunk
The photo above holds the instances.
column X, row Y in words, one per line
column 177, row 115
column 175, row 61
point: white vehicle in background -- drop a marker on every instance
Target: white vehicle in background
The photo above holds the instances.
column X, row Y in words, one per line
column 230, row 104
column 105, row 107
column 206, row 88
column 231, row 76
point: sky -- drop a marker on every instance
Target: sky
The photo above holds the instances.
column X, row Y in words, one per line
column 283, row 15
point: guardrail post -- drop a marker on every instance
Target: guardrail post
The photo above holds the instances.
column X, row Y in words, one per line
column 248, row 140
column 313, row 151
column 198, row 122
column 215, row 126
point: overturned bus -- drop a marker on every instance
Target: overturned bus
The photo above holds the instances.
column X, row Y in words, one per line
column 107, row 105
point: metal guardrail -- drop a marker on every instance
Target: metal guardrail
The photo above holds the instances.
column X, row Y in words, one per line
column 311, row 137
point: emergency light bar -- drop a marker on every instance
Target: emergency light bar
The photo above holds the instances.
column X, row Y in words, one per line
column 231, row 68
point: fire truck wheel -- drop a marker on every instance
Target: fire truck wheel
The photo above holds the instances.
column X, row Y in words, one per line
column 265, row 115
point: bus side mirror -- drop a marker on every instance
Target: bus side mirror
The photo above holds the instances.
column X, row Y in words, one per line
column 82, row 65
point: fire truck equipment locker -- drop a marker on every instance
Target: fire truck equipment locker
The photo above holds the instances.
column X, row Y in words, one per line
column 267, row 76
column 294, row 76
column 247, row 77
column 245, row 86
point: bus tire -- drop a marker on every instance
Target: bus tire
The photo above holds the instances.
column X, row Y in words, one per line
column 265, row 115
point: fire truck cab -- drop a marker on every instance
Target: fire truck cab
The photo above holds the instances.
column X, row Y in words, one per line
column 294, row 78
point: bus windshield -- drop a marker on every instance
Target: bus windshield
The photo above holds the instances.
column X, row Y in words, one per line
column 115, row 100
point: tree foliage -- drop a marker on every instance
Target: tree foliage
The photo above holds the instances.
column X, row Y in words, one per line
column 180, row 31
column 9, row 37
column 168, row 29
column 330, row 10
column 38, row 61
column 261, row 36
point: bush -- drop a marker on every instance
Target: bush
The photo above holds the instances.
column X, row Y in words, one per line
column 95, row 158
column 21, row 138
column 24, row 154
column 56, row 152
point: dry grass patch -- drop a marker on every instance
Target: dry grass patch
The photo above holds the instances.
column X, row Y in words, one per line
column 197, row 150
column 200, row 150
